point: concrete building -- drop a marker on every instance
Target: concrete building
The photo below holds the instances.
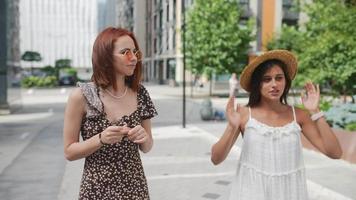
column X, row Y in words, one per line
column 107, row 14
column 63, row 29
column 163, row 58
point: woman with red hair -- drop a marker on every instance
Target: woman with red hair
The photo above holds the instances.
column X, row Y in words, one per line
column 112, row 113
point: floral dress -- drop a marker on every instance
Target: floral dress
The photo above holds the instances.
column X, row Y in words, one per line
column 115, row 170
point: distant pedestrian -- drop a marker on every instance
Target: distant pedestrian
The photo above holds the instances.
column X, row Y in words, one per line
column 233, row 85
column 112, row 113
column 271, row 164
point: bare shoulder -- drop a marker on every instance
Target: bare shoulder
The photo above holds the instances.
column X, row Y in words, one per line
column 76, row 96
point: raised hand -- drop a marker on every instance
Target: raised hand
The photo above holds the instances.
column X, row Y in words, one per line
column 138, row 135
column 114, row 134
column 232, row 115
column 311, row 99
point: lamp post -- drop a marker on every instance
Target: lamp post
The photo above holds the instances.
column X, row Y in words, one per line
column 183, row 39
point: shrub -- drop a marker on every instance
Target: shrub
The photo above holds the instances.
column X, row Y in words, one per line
column 342, row 116
column 351, row 126
column 35, row 81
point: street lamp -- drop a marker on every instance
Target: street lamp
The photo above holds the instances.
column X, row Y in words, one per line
column 183, row 39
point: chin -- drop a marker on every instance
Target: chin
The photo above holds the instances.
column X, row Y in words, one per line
column 274, row 98
column 130, row 74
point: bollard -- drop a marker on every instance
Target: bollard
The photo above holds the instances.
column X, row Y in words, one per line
column 206, row 110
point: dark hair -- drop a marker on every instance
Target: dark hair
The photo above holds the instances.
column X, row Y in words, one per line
column 102, row 59
column 256, row 80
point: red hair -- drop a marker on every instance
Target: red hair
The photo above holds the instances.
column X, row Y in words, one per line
column 102, row 59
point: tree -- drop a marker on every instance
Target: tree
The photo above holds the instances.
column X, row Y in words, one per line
column 31, row 56
column 216, row 42
column 63, row 63
column 329, row 53
column 289, row 38
column 325, row 45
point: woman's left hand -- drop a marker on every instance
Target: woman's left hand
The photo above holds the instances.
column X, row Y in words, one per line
column 138, row 135
column 311, row 99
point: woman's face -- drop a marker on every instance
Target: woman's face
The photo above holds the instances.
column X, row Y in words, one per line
column 273, row 83
column 124, row 56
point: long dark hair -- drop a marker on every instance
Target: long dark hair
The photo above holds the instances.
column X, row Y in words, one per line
column 256, row 80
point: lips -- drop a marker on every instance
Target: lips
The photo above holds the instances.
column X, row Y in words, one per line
column 274, row 92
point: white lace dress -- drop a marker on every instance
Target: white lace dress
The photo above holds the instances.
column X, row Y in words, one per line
column 271, row 165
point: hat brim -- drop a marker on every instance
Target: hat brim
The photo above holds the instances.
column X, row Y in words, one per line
column 283, row 55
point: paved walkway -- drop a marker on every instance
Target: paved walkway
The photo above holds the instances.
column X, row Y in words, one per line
column 179, row 166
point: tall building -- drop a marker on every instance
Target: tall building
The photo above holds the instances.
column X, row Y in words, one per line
column 63, row 29
column 164, row 60
column 107, row 14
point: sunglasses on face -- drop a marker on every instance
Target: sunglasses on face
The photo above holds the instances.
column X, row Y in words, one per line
column 128, row 53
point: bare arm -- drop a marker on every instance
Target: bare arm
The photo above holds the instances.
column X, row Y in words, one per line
column 221, row 149
column 142, row 135
column 75, row 109
column 73, row 148
column 318, row 132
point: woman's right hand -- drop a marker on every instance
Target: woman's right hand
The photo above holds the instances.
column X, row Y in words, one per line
column 232, row 115
column 114, row 134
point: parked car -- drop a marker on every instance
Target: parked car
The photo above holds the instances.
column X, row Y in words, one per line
column 67, row 80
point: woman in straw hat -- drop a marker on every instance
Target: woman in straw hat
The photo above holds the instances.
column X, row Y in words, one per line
column 271, row 163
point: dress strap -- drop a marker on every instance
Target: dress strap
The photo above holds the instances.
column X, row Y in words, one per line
column 249, row 112
column 294, row 117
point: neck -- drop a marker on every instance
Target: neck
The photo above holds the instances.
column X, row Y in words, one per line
column 271, row 105
column 120, row 84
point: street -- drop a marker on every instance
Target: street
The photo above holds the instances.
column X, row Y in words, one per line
column 32, row 164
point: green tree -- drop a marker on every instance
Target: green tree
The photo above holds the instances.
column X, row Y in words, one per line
column 289, row 38
column 325, row 45
column 63, row 63
column 31, row 56
column 329, row 53
column 216, row 41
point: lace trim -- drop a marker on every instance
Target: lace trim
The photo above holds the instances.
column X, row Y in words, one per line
column 259, row 171
column 275, row 132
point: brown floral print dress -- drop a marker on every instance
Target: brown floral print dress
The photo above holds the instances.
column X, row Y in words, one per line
column 115, row 170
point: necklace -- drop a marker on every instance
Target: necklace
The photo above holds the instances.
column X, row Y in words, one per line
column 114, row 96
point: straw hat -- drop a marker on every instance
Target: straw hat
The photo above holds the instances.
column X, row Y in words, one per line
column 283, row 55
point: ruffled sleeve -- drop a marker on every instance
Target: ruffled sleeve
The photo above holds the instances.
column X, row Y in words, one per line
column 90, row 92
column 147, row 108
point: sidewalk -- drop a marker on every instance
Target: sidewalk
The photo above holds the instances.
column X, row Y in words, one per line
column 327, row 178
column 179, row 168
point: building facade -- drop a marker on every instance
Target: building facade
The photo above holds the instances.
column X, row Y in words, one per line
column 164, row 60
column 63, row 29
